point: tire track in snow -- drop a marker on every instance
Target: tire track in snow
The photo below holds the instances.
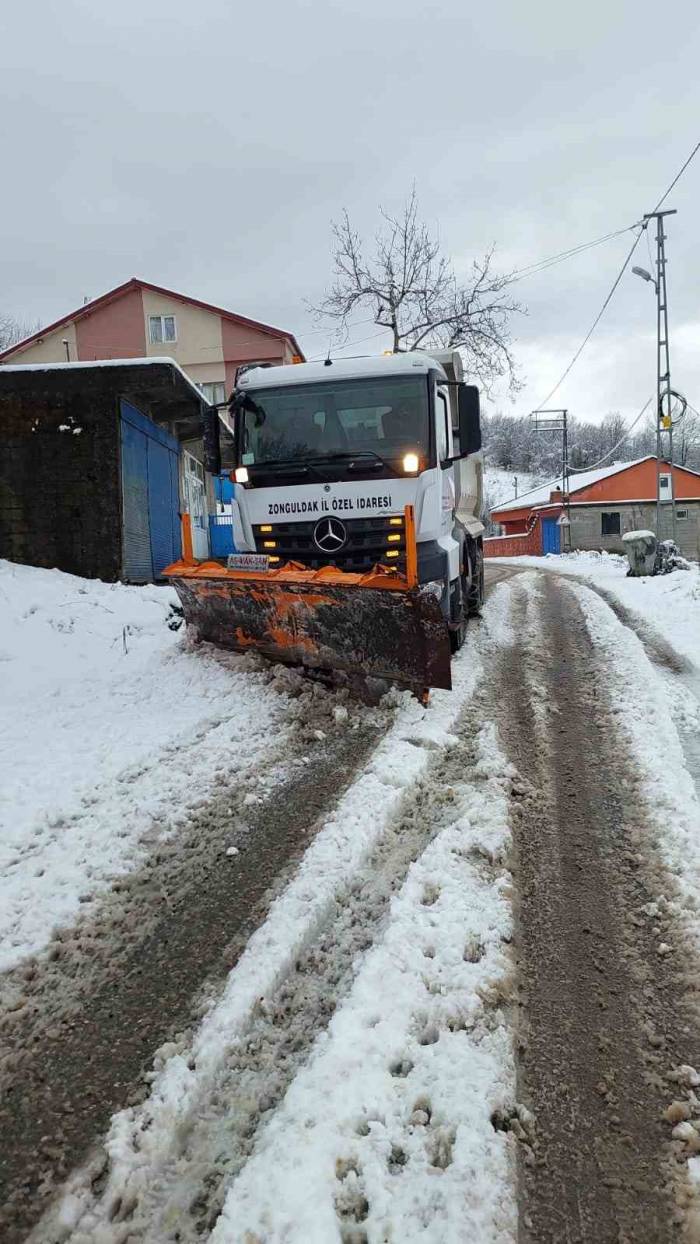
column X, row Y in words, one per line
column 184, row 1202
column 65, row 1080
column 609, row 982
column 171, row 1158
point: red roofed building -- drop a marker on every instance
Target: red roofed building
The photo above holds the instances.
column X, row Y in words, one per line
column 603, row 504
column 138, row 320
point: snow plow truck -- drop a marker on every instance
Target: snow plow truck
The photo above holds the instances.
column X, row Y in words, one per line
column 355, row 520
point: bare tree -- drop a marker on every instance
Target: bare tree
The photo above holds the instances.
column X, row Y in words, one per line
column 13, row 330
column 686, row 439
column 412, row 291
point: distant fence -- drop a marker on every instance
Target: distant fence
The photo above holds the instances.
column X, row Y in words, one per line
column 522, row 544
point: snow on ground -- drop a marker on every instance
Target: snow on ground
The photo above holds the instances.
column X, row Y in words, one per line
column 109, row 727
column 389, row 1124
column 669, row 603
column 463, row 920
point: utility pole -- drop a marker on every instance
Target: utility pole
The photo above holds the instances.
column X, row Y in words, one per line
column 515, row 484
column 663, row 369
column 557, row 421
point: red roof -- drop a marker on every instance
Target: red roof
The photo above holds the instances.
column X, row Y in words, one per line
column 135, row 283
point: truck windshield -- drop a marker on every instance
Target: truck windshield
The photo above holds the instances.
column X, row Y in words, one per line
column 382, row 418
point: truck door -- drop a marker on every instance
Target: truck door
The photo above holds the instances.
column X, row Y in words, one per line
column 443, row 440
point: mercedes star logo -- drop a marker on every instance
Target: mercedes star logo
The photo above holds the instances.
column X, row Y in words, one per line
column 330, row 534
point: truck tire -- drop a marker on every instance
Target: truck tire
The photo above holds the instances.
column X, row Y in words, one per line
column 459, row 612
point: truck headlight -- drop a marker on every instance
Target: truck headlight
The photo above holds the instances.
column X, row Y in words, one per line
column 434, row 588
column 241, row 474
column 410, row 463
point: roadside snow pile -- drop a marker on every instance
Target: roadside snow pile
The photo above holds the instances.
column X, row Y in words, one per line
column 670, row 603
column 108, row 727
column 389, row 1124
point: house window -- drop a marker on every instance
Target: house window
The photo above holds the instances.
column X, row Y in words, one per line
column 161, row 328
column 215, row 392
column 610, row 524
column 665, row 487
column 680, row 514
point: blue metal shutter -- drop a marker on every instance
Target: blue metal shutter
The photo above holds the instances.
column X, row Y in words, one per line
column 136, row 561
column 151, row 496
column 160, row 506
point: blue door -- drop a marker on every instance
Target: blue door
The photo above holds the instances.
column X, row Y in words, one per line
column 550, row 535
column 150, row 497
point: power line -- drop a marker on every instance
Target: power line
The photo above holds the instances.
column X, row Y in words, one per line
column 596, row 321
column 540, row 265
column 678, row 176
column 616, row 282
column 592, row 465
column 346, row 346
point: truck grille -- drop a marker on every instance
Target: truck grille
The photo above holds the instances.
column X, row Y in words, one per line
column 368, row 541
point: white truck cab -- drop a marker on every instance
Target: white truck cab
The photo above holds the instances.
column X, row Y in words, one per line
column 328, row 455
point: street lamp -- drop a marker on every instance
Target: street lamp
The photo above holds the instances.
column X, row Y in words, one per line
column 646, row 276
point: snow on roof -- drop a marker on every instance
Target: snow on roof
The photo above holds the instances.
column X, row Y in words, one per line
column 408, row 363
column 583, row 479
column 77, row 364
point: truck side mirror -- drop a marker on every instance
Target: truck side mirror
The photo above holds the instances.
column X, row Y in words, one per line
column 469, row 419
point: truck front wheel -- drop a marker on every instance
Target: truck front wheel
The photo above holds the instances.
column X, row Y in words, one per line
column 458, row 615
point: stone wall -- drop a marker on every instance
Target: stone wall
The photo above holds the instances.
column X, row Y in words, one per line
column 60, row 496
column 586, row 525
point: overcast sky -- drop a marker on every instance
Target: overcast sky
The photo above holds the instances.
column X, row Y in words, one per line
column 206, row 146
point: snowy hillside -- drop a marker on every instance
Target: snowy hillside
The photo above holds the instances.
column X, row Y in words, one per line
column 501, row 486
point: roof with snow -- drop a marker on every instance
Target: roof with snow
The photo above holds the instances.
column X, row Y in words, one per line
column 577, row 482
column 135, row 282
column 78, row 365
column 156, row 385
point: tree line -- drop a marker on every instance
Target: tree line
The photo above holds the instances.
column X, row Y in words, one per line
column 515, row 445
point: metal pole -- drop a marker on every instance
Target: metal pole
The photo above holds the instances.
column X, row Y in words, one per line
column 663, row 365
column 659, row 234
column 666, row 361
column 565, row 479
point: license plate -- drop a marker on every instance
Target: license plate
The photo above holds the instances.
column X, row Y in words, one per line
column 248, row 561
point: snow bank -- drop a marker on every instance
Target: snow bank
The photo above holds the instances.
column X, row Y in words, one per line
column 389, row 1124
column 108, row 727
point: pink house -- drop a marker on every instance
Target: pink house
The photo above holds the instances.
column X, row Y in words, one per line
column 138, row 319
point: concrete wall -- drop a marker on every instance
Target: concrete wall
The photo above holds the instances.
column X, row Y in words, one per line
column 586, row 525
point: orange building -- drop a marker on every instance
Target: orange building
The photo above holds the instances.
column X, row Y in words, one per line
column 603, row 504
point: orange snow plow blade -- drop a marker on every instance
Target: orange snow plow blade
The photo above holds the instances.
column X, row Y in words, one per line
column 377, row 624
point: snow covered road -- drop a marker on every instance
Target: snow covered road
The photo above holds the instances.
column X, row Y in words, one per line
column 435, row 963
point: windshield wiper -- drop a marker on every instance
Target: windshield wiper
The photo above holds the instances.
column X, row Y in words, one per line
column 354, row 460
column 286, row 466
